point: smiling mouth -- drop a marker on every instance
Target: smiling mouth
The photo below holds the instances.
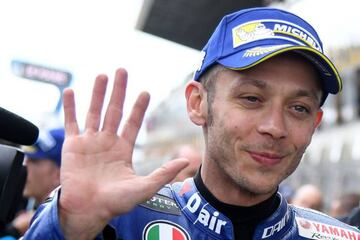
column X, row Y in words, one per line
column 266, row 158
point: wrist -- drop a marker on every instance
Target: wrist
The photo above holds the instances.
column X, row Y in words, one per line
column 78, row 225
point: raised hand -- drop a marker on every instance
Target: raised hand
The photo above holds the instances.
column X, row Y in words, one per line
column 97, row 176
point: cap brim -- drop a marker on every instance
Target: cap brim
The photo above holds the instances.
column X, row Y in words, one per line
column 248, row 58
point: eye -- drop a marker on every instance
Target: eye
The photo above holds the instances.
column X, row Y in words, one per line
column 301, row 109
column 252, row 99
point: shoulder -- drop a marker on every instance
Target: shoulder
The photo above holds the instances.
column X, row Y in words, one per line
column 317, row 225
column 354, row 217
column 307, row 213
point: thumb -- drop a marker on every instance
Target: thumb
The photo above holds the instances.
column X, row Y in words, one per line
column 163, row 175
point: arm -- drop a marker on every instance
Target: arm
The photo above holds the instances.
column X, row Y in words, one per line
column 22, row 221
column 97, row 177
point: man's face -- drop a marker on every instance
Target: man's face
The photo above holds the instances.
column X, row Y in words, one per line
column 42, row 178
column 260, row 122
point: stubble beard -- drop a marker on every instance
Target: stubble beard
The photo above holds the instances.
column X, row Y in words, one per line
column 218, row 147
column 231, row 172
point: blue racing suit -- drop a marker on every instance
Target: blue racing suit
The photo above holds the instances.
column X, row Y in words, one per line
column 179, row 212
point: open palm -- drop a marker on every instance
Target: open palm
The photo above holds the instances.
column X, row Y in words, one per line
column 97, row 177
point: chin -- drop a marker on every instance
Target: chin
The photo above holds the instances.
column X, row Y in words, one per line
column 256, row 187
column 262, row 190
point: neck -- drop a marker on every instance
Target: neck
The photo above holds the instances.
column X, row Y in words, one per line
column 239, row 214
column 226, row 190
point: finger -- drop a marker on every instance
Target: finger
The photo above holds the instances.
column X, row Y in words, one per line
column 93, row 117
column 114, row 110
column 71, row 126
column 164, row 174
column 133, row 124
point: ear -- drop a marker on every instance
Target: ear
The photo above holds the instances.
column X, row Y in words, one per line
column 318, row 118
column 196, row 102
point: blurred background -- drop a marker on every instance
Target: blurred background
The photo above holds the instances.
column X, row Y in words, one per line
column 46, row 46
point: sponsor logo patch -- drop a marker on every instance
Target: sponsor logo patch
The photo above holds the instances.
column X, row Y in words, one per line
column 273, row 29
column 317, row 230
column 164, row 230
column 256, row 51
column 205, row 214
column 277, row 227
column 249, row 32
column 163, row 204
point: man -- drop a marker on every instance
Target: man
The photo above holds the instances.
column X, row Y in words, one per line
column 42, row 160
column 353, row 218
column 308, row 196
column 346, row 208
column 193, row 155
column 342, row 206
column 257, row 97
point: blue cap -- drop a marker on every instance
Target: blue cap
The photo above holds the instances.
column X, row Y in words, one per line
column 248, row 37
column 48, row 146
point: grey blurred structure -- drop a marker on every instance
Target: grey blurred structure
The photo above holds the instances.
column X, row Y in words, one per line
column 188, row 22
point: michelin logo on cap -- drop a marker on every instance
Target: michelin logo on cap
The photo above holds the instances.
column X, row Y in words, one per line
column 275, row 29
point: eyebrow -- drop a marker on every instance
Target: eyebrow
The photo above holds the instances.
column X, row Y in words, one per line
column 310, row 94
column 250, row 81
column 262, row 84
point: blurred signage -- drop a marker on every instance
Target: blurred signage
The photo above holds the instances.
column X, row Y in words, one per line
column 40, row 73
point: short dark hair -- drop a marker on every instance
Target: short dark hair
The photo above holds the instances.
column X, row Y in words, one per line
column 208, row 79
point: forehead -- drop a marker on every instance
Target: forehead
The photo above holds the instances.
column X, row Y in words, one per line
column 286, row 64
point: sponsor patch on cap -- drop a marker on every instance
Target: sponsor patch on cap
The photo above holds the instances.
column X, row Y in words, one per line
column 256, row 51
column 249, row 32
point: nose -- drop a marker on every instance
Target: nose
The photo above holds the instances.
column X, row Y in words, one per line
column 274, row 124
